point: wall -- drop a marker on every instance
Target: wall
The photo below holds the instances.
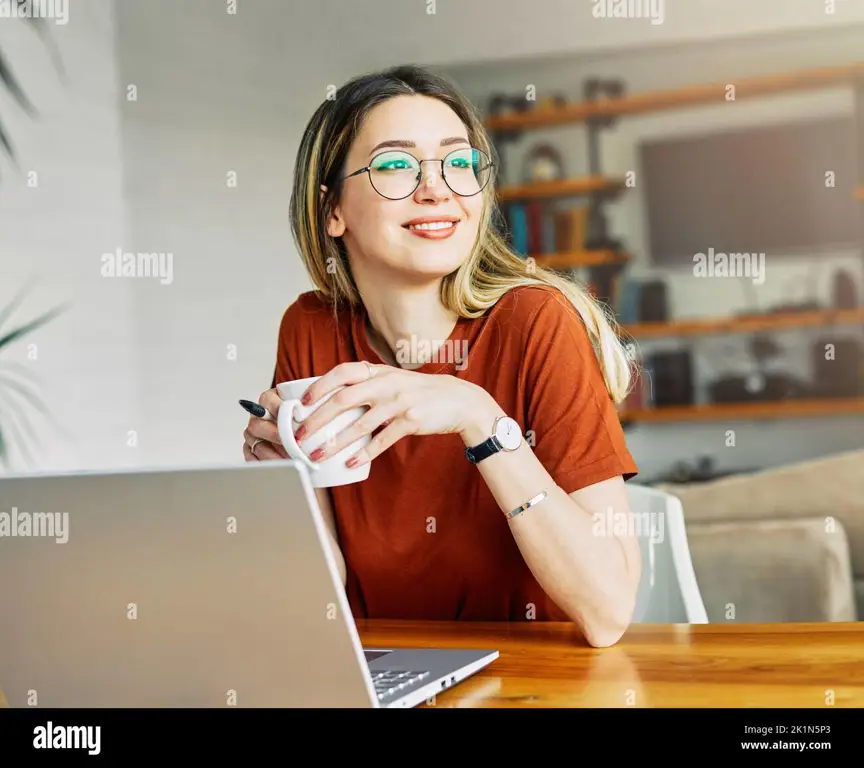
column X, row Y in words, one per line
column 60, row 210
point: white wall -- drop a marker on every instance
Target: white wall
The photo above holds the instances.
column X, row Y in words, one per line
column 84, row 362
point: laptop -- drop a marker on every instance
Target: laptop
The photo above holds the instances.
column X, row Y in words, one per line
column 193, row 587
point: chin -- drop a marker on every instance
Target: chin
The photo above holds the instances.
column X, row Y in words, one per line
column 437, row 264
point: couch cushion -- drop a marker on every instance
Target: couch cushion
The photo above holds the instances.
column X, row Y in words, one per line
column 775, row 570
column 831, row 487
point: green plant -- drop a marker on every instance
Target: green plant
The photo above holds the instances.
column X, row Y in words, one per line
column 14, row 377
column 15, row 380
column 11, row 84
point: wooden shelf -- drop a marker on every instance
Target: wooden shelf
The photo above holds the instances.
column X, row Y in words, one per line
column 690, row 96
column 749, row 324
column 578, row 259
column 746, row 411
column 564, row 188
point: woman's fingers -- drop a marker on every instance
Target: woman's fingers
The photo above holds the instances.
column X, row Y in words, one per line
column 264, row 430
column 265, row 449
column 271, row 401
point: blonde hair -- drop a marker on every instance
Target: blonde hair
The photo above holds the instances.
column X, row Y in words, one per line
column 492, row 269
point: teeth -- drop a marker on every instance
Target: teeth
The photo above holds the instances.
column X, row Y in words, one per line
column 433, row 225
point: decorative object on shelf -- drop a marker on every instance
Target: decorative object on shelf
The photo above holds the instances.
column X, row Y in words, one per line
column 627, row 298
column 570, row 228
column 653, row 304
column 542, row 162
column 672, row 378
column 845, row 293
column 503, row 104
column 599, row 236
column 838, row 367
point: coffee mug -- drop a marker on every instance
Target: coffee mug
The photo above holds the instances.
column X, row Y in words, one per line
column 332, row 470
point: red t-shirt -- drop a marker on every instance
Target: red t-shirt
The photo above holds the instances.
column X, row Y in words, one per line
column 423, row 537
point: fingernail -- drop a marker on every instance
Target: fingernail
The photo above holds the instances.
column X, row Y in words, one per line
column 306, row 398
column 351, row 462
column 316, row 454
column 300, row 432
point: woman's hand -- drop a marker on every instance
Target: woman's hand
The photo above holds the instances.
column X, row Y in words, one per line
column 402, row 402
column 263, row 434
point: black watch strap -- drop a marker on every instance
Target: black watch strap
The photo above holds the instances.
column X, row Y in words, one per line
column 483, row 451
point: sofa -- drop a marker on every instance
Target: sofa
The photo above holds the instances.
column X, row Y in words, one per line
column 784, row 544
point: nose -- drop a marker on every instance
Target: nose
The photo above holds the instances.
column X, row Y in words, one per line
column 432, row 184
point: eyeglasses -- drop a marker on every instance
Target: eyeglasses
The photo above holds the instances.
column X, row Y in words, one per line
column 396, row 174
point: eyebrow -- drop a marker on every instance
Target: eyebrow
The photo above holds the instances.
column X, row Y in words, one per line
column 403, row 144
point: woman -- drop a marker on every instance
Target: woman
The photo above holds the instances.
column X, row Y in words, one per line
column 391, row 211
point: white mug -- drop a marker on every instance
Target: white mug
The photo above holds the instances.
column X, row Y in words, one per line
column 332, row 470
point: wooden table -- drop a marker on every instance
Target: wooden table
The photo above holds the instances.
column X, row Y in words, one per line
column 701, row 665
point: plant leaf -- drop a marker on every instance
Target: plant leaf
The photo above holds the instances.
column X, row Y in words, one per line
column 40, row 27
column 20, row 433
column 6, row 312
column 7, row 77
column 23, row 390
column 6, row 143
column 28, row 327
column 20, row 369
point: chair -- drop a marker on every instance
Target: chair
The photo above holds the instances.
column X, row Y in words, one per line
column 668, row 591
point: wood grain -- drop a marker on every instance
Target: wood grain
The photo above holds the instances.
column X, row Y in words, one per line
column 707, row 665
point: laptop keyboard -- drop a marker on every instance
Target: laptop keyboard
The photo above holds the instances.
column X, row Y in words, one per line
column 395, row 680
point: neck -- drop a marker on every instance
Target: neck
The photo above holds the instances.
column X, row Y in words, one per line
column 405, row 318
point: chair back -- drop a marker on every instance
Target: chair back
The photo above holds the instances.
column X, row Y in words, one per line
column 668, row 590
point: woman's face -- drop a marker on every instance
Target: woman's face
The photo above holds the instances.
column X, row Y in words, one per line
column 382, row 231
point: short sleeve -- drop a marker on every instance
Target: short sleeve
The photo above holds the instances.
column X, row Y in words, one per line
column 286, row 348
column 572, row 419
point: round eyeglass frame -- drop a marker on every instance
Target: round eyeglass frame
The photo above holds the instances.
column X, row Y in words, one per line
column 368, row 168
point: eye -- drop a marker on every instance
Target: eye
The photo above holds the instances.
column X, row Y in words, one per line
column 394, row 165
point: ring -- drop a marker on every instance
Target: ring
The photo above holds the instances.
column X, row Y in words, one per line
column 252, row 447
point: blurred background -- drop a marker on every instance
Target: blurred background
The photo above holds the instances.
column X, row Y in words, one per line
column 631, row 143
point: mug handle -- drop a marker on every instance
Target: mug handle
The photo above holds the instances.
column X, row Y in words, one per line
column 287, row 407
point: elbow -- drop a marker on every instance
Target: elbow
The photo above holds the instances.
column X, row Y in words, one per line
column 607, row 628
column 605, row 634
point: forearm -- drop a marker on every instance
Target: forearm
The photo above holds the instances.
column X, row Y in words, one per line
column 585, row 574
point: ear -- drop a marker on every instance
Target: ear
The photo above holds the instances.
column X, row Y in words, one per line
column 335, row 227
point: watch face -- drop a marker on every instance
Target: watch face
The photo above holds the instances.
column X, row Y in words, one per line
column 509, row 434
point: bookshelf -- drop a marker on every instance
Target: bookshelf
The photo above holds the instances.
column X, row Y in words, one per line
column 596, row 113
column 746, row 324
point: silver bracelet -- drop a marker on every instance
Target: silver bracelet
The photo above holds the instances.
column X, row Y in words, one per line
column 530, row 503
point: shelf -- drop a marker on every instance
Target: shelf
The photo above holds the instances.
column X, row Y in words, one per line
column 690, row 96
column 578, row 259
column 563, row 188
column 750, row 324
column 716, row 411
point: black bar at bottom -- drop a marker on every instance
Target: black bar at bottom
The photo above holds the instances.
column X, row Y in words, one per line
column 441, row 731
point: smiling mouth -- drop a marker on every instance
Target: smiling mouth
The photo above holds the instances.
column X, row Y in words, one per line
column 431, row 226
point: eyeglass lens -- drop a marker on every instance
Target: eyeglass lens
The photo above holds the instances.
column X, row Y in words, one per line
column 396, row 174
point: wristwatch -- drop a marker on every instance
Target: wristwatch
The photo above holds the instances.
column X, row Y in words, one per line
column 506, row 436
